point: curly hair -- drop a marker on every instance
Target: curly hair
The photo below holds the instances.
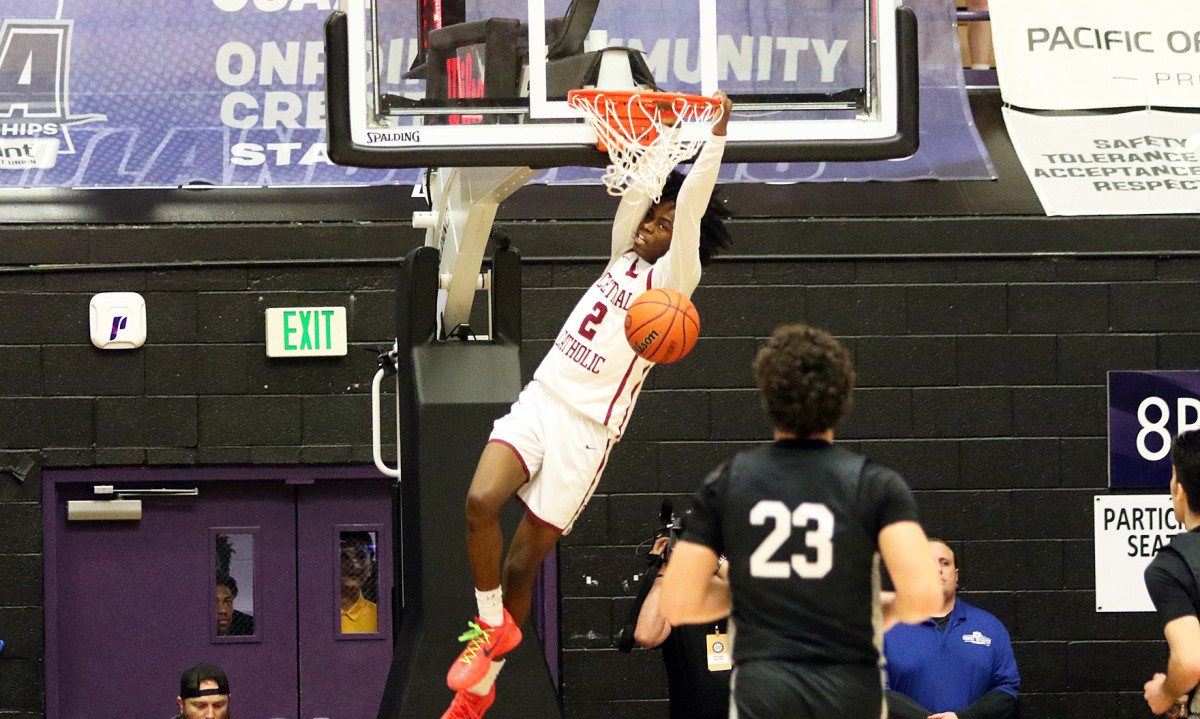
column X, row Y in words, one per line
column 806, row 378
column 714, row 236
column 1185, row 456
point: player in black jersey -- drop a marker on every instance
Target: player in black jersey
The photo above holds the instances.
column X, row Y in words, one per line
column 1171, row 580
column 803, row 524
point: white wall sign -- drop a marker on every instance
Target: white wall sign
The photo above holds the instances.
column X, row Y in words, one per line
column 117, row 320
column 1133, row 163
column 1082, row 54
column 306, row 331
column 1129, row 530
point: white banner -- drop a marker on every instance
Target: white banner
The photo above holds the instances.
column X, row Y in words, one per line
column 1129, row 530
column 1133, row 163
column 1086, row 54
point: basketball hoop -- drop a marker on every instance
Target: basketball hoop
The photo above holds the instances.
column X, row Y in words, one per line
column 645, row 133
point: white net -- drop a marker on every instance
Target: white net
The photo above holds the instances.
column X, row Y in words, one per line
column 646, row 133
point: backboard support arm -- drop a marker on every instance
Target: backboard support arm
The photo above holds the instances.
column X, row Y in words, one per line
column 464, row 202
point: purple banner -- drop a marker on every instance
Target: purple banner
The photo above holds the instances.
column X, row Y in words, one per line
column 1145, row 411
column 159, row 93
column 951, row 148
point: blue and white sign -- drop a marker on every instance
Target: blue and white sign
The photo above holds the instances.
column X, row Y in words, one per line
column 163, row 93
column 1145, row 411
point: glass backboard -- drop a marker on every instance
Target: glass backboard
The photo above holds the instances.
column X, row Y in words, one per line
column 415, row 83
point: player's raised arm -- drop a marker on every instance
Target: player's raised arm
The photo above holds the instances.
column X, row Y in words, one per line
column 680, row 267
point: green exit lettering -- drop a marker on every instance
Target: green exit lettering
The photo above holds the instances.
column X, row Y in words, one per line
column 309, row 329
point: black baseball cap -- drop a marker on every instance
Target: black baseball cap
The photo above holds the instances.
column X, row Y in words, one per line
column 189, row 683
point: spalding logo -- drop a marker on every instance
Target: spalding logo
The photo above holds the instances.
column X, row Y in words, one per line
column 641, row 346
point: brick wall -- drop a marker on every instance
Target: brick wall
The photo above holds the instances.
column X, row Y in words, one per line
column 981, row 380
column 21, row 672
column 201, row 391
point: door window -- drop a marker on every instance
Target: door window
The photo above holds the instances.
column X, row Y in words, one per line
column 234, row 583
column 358, row 582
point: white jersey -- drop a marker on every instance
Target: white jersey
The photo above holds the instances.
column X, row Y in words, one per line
column 591, row 366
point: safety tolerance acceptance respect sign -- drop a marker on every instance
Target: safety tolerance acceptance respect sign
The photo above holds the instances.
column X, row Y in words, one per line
column 1133, row 163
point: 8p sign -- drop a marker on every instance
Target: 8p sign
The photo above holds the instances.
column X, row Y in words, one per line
column 1145, row 411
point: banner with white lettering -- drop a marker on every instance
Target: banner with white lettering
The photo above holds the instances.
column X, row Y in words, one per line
column 164, row 93
column 1129, row 529
column 1133, row 163
column 1145, row 411
column 1083, row 54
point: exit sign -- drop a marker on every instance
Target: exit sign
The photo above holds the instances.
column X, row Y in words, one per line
column 306, row 331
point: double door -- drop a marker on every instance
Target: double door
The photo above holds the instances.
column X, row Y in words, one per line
column 284, row 584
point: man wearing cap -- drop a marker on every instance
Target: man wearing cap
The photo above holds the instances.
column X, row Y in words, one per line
column 203, row 693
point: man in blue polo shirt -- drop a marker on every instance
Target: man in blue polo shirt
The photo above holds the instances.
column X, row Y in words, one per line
column 957, row 664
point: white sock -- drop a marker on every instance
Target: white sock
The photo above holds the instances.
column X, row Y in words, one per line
column 491, row 606
column 485, row 685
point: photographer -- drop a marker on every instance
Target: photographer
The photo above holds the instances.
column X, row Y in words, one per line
column 696, row 656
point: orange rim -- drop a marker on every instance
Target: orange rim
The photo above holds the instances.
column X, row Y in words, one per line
column 645, row 97
column 621, row 101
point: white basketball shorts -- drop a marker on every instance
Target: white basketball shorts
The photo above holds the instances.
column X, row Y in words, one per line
column 563, row 452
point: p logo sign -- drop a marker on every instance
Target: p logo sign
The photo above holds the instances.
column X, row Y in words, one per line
column 1145, row 412
column 118, row 320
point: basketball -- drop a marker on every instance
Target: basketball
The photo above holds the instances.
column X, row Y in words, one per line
column 662, row 325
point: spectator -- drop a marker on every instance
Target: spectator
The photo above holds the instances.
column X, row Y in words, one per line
column 979, row 38
column 695, row 655
column 203, row 693
column 359, row 614
column 231, row 622
column 958, row 664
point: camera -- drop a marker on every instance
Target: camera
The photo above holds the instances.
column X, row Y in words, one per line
column 670, row 526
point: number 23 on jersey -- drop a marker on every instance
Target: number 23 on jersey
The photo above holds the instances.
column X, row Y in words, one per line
column 818, row 538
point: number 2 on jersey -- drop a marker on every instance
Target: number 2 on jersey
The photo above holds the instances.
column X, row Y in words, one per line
column 598, row 311
column 819, row 538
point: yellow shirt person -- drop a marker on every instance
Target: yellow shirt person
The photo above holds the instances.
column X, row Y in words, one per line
column 361, row 618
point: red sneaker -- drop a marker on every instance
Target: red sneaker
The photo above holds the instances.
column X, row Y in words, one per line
column 484, row 644
column 470, row 706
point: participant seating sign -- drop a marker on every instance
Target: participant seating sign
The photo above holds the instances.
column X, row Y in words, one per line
column 1129, row 530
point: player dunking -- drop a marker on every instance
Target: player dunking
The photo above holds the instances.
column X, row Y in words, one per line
column 552, row 446
column 802, row 524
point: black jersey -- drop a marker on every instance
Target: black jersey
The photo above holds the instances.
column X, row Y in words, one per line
column 1170, row 578
column 1171, row 581
column 799, row 522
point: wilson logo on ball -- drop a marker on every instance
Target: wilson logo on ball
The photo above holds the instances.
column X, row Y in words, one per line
column 642, row 346
column 662, row 325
